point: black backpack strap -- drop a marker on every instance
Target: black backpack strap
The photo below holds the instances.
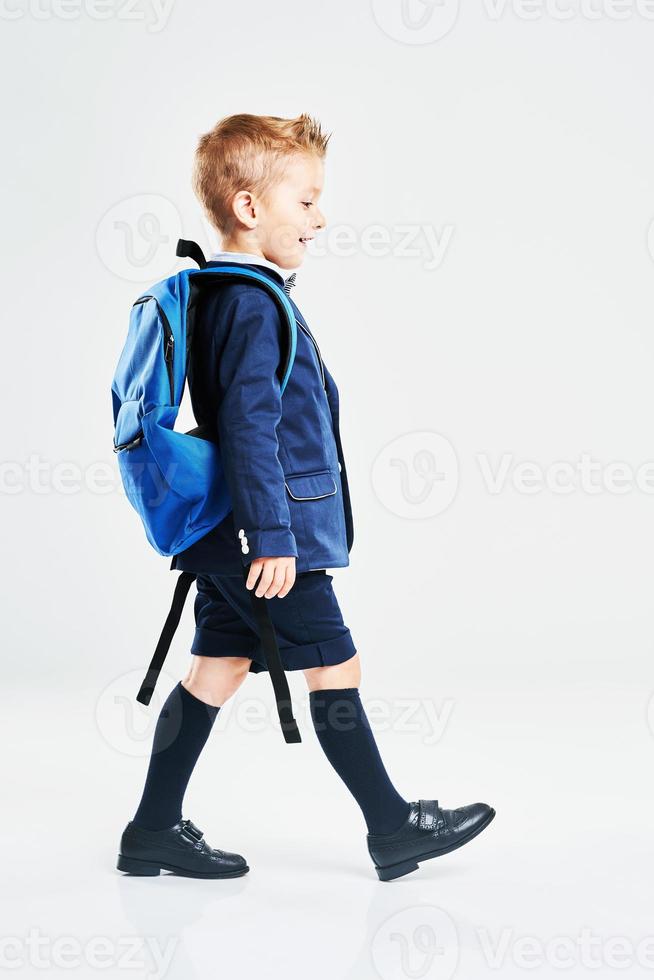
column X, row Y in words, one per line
column 268, row 640
column 182, row 586
column 278, row 677
column 191, row 250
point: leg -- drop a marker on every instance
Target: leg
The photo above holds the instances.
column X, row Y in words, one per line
column 215, row 679
column 347, row 674
column 183, row 727
column 347, row 740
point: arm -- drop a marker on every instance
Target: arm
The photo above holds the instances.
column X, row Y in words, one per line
column 249, row 412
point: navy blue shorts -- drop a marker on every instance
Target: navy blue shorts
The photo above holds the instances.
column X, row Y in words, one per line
column 308, row 622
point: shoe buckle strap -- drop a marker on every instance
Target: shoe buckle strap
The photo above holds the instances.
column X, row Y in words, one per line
column 191, row 832
column 430, row 815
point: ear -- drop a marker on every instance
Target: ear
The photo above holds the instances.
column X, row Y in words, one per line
column 245, row 209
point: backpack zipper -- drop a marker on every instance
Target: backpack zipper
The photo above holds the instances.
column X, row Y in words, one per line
column 169, row 346
column 169, row 354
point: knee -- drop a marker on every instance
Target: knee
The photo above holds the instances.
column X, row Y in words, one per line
column 347, row 674
column 215, row 679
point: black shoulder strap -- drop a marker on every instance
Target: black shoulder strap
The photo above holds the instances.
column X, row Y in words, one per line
column 191, row 250
column 268, row 641
column 182, row 586
column 277, row 675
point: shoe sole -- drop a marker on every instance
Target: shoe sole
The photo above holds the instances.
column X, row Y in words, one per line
column 149, row 869
column 391, row 871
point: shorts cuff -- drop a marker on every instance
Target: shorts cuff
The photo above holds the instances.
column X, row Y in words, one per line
column 209, row 643
column 323, row 654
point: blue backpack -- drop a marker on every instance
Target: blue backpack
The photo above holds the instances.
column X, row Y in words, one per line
column 175, row 480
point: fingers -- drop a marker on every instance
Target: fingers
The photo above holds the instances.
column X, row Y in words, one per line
column 253, row 574
column 266, row 576
column 277, row 577
column 289, row 580
column 278, row 580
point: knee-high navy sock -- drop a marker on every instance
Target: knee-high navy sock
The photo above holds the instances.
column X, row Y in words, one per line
column 347, row 740
column 181, row 731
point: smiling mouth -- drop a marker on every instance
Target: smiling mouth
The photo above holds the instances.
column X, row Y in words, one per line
column 303, row 241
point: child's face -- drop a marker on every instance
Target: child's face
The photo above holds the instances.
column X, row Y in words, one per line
column 288, row 214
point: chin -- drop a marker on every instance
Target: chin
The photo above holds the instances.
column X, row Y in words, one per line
column 290, row 262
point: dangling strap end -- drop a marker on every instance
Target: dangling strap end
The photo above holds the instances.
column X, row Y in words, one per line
column 190, row 250
column 146, row 689
column 287, row 722
column 182, row 585
column 293, row 735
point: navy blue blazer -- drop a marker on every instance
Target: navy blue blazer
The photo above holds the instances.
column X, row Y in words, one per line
column 282, row 454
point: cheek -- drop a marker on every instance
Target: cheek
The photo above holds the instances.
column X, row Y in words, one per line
column 285, row 238
column 287, row 218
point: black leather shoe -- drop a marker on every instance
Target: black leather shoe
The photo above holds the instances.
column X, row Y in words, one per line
column 428, row 832
column 180, row 848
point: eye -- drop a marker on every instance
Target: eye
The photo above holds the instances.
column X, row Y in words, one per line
column 307, row 204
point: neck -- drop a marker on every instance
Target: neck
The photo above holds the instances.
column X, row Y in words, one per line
column 240, row 244
column 243, row 253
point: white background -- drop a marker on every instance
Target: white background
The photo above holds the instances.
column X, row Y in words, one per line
column 522, row 139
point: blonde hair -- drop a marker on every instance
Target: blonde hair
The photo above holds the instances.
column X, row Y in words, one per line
column 247, row 152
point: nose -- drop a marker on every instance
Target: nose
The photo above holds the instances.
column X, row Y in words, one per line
column 320, row 220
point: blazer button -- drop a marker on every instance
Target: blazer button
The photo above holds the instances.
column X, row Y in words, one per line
column 241, row 533
column 245, row 549
column 244, row 540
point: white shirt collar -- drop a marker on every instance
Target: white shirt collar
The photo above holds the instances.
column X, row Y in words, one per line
column 248, row 259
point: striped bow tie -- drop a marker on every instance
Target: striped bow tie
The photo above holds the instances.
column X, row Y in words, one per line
column 289, row 283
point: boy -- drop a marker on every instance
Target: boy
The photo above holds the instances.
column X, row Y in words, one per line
column 259, row 179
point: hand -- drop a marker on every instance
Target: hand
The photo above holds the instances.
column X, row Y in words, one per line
column 277, row 577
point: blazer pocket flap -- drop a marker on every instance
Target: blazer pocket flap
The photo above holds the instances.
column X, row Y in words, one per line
column 311, row 486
